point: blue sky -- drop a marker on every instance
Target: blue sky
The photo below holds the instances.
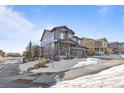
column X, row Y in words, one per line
column 20, row 24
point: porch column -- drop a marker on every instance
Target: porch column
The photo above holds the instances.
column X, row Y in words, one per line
column 69, row 51
column 41, row 51
column 98, row 50
column 77, row 51
column 58, row 50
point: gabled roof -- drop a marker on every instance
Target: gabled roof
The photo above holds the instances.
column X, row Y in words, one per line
column 105, row 39
column 121, row 43
column 77, row 37
column 60, row 27
column 45, row 31
column 87, row 38
column 111, row 43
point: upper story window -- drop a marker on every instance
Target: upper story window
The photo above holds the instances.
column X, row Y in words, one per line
column 70, row 36
column 98, row 43
column 79, row 41
column 61, row 35
column 49, row 39
column 74, row 39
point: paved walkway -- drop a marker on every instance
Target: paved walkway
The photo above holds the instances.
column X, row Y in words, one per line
column 62, row 65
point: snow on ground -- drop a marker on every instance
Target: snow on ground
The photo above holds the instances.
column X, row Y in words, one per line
column 122, row 56
column 88, row 61
column 113, row 77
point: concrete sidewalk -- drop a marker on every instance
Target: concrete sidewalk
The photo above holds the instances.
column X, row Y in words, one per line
column 62, row 65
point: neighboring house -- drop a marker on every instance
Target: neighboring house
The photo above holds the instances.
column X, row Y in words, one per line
column 60, row 42
column 120, row 48
column 95, row 47
column 101, row 46
column 117, row 47
column 90, row 44
column 112, row 46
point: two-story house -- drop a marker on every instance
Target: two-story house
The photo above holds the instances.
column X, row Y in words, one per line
column 112, row 46
column 90, row 44
column 95, row 47
column 120, row 48
column 116, row 47
column 101, row 46
column 60, row 42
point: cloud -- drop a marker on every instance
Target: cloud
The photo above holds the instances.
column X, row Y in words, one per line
column 13, row 24
column 15, row 29
column 104, row 10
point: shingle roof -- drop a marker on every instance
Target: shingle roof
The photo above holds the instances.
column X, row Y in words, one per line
column 59, row 27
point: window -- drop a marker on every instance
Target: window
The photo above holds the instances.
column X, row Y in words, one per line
column 61, row 36
column 51, row 37
column 74, row 39
column 96, row 49
column 70, row 35
column 79, row 41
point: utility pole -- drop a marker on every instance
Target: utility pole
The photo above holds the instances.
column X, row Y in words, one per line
column 52, row 59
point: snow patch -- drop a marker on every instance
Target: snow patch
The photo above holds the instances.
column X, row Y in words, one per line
column 110, row 78
column 122, row 56
column 88, row 61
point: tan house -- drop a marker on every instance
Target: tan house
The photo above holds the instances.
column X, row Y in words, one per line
column 89, row 43
column 95, row 47
column 101, row 46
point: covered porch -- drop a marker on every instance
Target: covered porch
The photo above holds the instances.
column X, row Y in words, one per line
column 69, row 49
column 100, row 51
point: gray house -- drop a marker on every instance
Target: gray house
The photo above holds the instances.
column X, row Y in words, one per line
column 113, row 46
column 120, row 48
column 117, row 47
column 60, row 42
